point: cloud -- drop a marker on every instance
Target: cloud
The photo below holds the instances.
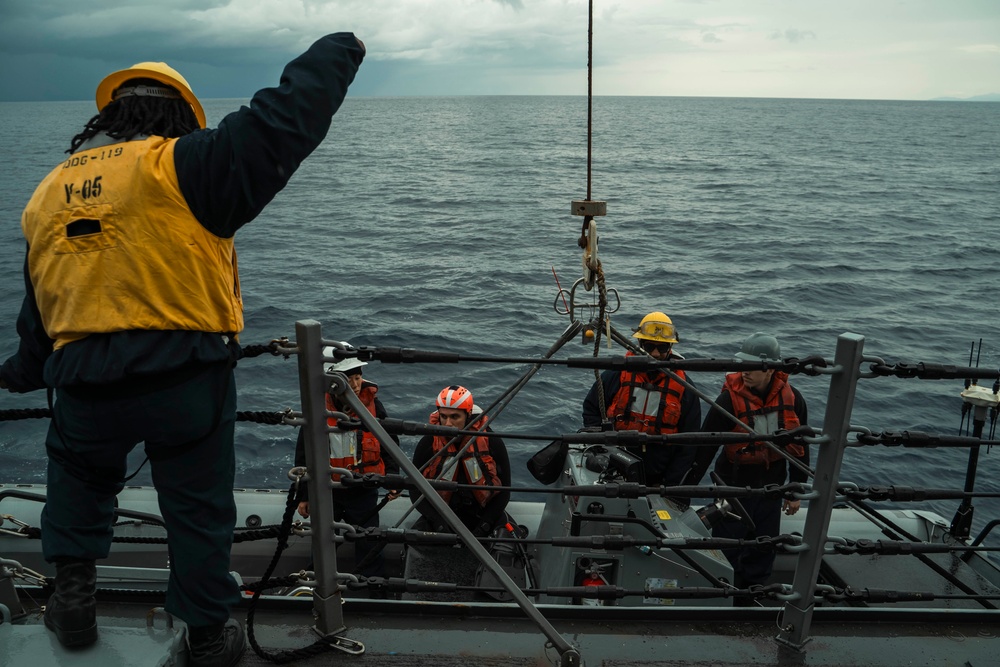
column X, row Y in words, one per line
column 59, row 49
column 980, row 48
column 793, row 35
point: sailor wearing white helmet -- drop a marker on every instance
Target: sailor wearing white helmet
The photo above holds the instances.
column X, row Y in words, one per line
column 359, row 451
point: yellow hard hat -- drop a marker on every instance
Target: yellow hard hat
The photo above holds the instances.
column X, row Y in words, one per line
column 657, row 327
column 161, row 72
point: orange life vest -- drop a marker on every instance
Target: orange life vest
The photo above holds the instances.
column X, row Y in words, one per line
column 344, row 444
column 480, row 468
column 774, row 413
column 647, row 404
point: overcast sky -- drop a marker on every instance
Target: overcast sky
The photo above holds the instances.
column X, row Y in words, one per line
column 861, row 49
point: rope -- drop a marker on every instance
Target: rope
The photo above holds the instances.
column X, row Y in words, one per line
column 25, row 413
column 259, row 417
column 602, row 292
column 284, row 656
column 272, row 418
column 321, row 646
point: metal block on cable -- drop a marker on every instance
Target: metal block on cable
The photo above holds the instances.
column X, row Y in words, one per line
column 588, row 207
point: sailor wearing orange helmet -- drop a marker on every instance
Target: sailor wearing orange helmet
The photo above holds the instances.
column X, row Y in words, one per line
column 649, row 402
column 482, row 464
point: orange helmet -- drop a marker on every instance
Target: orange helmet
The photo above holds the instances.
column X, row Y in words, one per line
column 455, row 397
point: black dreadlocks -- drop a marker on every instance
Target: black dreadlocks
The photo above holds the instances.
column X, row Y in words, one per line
column 131, row 116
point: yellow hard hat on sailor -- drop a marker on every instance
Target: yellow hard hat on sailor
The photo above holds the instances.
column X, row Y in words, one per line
column 161, row 72
column 656, row 327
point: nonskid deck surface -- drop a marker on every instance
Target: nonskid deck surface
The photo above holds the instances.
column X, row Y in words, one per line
column 413, row 633
column 907, row 574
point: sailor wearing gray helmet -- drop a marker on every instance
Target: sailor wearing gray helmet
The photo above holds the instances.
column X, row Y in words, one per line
column 765, row 401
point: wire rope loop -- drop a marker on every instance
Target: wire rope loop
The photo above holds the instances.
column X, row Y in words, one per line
column 796, row 548
column 786, row 594
column 289, row 417
column 823, row 370
column 823, row 592
column 349, row 529
column 822, row 439
column 343, row 472
column 561, row 296
column 865, row 435
column 298, row 474
column 345, row 422
column 618, row 301
column 835, row 540
column 347, row 578
column 807, row 493
column 847, row 491
column 874, row 361
column 285, row 348
column 306, row 578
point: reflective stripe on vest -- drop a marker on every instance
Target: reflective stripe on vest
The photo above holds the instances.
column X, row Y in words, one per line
column 645, row 405
column 774, row 413
column 344, row 444
column 479, row 466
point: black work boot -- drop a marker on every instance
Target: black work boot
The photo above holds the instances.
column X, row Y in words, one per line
column 218, row 645
column 71, row 612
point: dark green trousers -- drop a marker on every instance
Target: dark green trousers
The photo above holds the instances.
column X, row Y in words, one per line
column 186, row 421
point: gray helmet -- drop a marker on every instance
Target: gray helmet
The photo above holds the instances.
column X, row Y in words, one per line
column 760, row 347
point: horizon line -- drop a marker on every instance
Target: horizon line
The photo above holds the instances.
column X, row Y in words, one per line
column 987, row 97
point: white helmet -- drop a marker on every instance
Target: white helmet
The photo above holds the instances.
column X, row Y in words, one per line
column 344, row 365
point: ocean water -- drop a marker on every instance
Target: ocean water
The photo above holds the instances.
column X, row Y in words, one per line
column 436, row 223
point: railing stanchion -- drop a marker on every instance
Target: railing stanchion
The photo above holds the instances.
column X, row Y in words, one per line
column 327, row 603
column 797, row 616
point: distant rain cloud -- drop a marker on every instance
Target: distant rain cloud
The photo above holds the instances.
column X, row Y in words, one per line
column 793, row 35
column 710, row 38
